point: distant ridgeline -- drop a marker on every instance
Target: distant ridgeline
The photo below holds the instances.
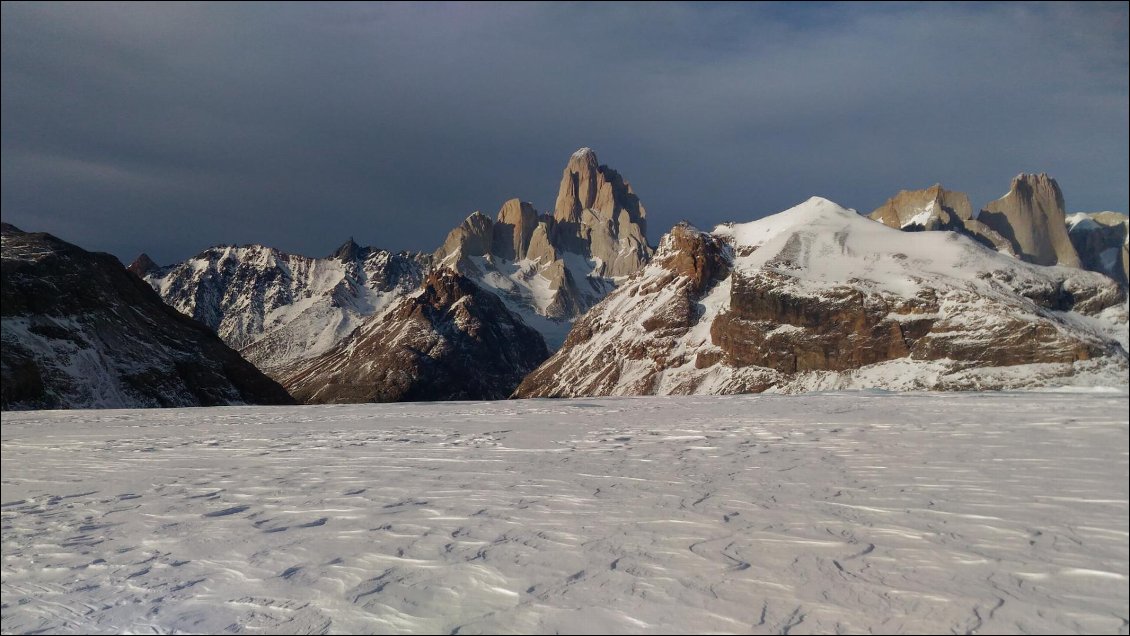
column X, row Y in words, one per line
column 79, row 331
column 577, row 303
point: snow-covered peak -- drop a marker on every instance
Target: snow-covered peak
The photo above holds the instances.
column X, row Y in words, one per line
column 277, row 307
column 823, row 243
column 820, row 297
column 815, row 214
column 583, row 152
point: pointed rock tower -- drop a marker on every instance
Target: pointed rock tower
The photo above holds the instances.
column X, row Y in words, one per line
column 599, row 215
column 1031, row 216
column 550, row 269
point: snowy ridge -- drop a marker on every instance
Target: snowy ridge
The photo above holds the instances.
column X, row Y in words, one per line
column 279, row 308
column 79, row 331
column 451, row 340
column 1103, row 242
column 528, row 289
column 818, row 297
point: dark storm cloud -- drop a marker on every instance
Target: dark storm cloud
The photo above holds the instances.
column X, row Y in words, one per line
column 168, row 128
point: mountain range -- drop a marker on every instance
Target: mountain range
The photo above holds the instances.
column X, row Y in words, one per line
column 577, row 302
column 79, row 331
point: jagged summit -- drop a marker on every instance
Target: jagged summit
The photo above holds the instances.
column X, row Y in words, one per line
column 143, row 265
column 930, row 209
column 1032, row 217
column 78, row 331
column 450, row 341
column 551, row 268
column 278, row 308
column 348, row 251
column 817, row 297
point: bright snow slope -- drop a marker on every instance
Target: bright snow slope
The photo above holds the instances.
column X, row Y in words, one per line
column 817, row 254
column 988, row 512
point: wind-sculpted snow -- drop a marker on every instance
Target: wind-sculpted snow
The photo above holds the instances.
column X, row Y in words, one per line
column 766, row 514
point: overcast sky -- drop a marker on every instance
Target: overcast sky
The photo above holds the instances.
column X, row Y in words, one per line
column 169, row 128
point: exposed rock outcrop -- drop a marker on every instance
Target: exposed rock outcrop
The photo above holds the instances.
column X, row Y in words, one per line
column 142, row 266
column 931, row 209
column 551, row 269
column 1028, row 223
column 818, row 298
column 80, row 331
column 936, row 208
column 599, row 215
column 278, row 308
column 1100, row 239
column 514, row 229
column 451, row 341
column 1031, row 217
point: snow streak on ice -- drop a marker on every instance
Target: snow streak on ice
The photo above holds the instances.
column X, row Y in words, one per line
column 841, row 512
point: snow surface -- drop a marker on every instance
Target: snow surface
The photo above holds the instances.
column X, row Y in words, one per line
column 842, row 512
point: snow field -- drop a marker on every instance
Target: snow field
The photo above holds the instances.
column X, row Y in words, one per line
column 998, row 512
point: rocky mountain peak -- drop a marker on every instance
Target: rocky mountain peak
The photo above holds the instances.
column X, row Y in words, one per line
column 513, row 228
column 473, row 237
column 695, row 255
column 1040, row 185
column 588, row 185
column 933, row 208
column 598, row 215
column 78, row 331
column 1032, row 217
column 348, row 251
column 443, row 287
column 143, row 265
column 453, row 341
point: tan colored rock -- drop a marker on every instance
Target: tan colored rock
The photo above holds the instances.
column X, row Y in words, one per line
column 1031, row 216
column 473, row 237
column 599, row 216
column 934, row 208
column 541, row 248
column 579, row 185
column 513, row 229
column 697, row 256
column 988, row 237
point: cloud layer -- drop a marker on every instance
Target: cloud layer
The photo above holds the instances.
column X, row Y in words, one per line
column 169, row 128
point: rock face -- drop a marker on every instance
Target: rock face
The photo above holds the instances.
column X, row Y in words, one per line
column 1100, row 239
column 817, row 297
column 142, row 266
column 1028, row 223
column 936, row 208
column 79, row 331
column 599, row 216
column 551, row 269
column 277, row 308
column 930, row 209
column 1032, row 217
column 451, row 341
